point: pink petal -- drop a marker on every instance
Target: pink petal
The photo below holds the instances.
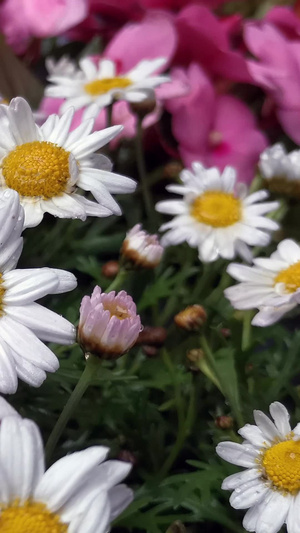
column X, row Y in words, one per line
column 154, row 37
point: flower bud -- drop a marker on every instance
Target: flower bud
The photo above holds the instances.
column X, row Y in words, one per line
column 153, row 336
column 146, row 106
column 110, row 269
column 224, row 422
column 127, row 457
column 172, row 170
column 108, row 325
column 192, row 318
column 176, row 527
column 195, row 355
column 226, row 333
column 150, row 351
column 141, row 249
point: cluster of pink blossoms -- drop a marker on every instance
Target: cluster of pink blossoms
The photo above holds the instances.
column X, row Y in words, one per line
column 215, row 64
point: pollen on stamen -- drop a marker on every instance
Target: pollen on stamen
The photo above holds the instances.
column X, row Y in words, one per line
column 290, row 277
column 37, row 169
column 98, row 87
column 281, row 466
column 30, row 517
column 217, row 209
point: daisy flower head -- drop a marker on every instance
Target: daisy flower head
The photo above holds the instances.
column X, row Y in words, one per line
column 269, row 487
column 281, row 170
column 79, row 493
column 46, row 164
column 214, row 217
column 24, row 324
column 100, row 83
column 272, row 285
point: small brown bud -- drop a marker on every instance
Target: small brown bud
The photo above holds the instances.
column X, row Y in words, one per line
column 153, row 336
column 176, row 527
column 142, row 109
column 249, row 367
column 192, row 318
column 172, row 170
column 195, row 355
column 127, row 457
column 226, row 332
column 224, row 422
column 110, row 269
column 150, row 351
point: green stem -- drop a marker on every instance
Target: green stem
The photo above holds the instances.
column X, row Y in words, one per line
column 109, row 112
column 222, row 386
column 85, row 380
column 209, row 355
column 246, row 334
column 182, row 429
column 148, row 202
column 118, row 281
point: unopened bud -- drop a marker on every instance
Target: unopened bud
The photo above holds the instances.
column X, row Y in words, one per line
column 176, row 527
column 195, row 355
column 224, row 422
column 142, row 109
column 110, row 269
column 192, row 318
column 108, row 325
column 153, row 336
column 127, row 457
column 226, row 332
column 150, row 351
column 172, row 170
column 141, row 249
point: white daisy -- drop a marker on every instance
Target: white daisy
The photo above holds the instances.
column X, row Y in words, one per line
column 80, row 493
column 270, row 485
column 212, row 217
column 272, row 285
column 46, row 164
column 281, row 170
column 101, row 84
column 22, row 321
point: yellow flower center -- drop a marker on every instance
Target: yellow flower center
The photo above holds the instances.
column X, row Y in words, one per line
column 217, row 209
column 290, row 277
column 282, row 465
column 116, row 310
column 37, row 169
column 97, row 87
column 30, row 518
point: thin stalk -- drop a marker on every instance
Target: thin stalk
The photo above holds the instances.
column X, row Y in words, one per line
column 109, row 112
column 222, row 386
column 247, row 330
column 118, row 281
column 182, row 429
column 140, row 161
column 85, row 380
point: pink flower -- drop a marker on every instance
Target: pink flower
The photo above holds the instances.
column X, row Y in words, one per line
column 277, row 71
column 22, row 19
column 108, row 325
column 142, row 249
column 154, row 37
column 175, row 5
column 204, row 39
column 218, row 130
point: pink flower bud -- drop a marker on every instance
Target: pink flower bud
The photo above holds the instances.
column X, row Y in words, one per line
column 142, row 249
column 108, row 325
